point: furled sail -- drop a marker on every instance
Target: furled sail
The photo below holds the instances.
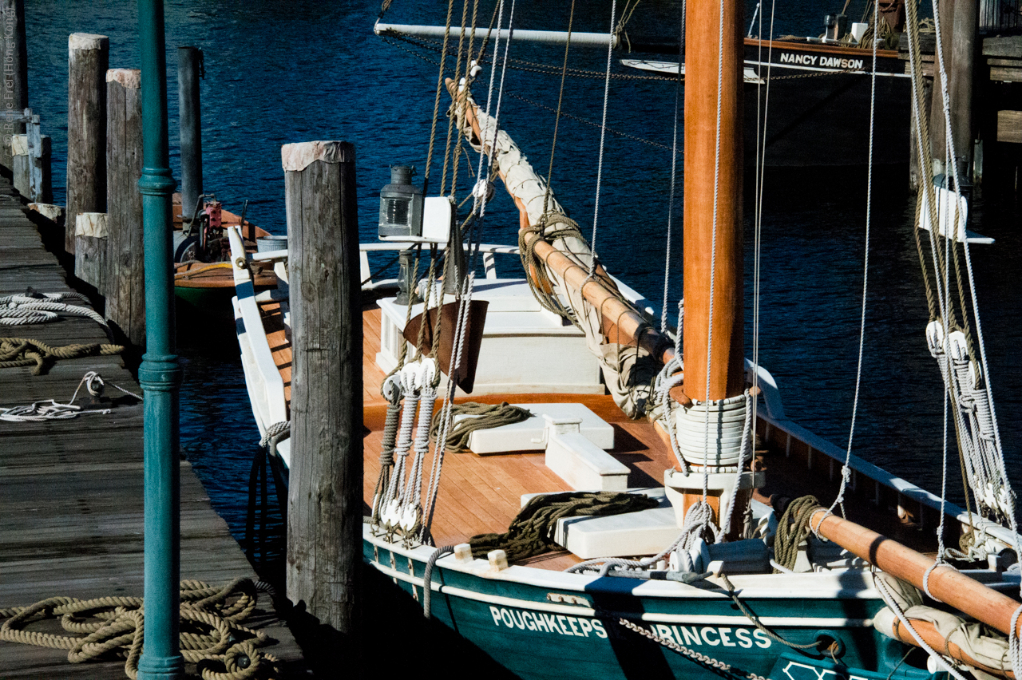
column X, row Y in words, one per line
column 560, row 265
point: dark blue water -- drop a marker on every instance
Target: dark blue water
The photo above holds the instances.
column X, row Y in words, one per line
column 298, row 71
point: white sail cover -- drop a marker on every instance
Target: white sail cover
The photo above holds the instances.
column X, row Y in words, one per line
column 628, row 371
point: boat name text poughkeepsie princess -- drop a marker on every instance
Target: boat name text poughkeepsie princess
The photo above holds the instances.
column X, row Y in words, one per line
column 583, row 626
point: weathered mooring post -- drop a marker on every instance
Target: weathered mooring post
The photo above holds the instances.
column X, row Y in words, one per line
column 159, row 374
column 959, row 21
column 324, row 535
column 938, row 131
column 189, row 71
column 125, row 278
column 960, row 74
column 15, row 56
column 88, row 58
column 90, row 249
column 25, row 164
column 915, row 173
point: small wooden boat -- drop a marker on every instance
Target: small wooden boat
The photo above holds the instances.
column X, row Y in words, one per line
column 205, row 286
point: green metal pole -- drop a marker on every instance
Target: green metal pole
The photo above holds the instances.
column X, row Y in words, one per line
column 159, row 374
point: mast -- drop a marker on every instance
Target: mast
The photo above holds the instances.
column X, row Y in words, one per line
column 702, row 37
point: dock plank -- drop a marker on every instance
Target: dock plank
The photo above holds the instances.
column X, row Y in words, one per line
column 71, row 491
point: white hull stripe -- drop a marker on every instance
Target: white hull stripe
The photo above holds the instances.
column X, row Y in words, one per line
column 778, row 621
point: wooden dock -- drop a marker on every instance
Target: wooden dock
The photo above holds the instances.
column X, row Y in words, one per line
column 71, row 512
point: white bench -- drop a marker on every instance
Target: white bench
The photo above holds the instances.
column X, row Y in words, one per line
column 578, row 461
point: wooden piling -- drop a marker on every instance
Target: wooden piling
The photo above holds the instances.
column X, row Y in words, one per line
column 960, row 76
column 914, row 171
column 324, row 552
column 938, row 132
column 20, row 164
column 15, row 56
column 91, row 248
column 43, row 163
column 125, row 276
column 88, row 60
column 23, row 163
column 189, row 71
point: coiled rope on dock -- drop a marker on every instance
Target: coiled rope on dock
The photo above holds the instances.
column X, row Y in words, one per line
column 15, row 352
column 212, row 634
column 32, row 307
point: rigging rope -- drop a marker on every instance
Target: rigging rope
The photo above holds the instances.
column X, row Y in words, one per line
column 674, row 172
column 1015, row 647
column 845, row 469
column 749, row 614
column 557, row 121
column 436, row 101
column 467, row 284
column 603, row 136
column 713, row 249
column 761, row 140
column 792, row 529
column 457, row 75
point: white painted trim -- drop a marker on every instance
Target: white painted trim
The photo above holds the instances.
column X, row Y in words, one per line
column 580, row 39
column 699, row 619
column 817, row 585
column 265, row 386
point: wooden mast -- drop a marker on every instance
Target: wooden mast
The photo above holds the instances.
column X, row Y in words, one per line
column 702, row 59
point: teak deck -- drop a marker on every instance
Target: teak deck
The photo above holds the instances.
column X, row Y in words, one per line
column 71, row 491
column 482, row 494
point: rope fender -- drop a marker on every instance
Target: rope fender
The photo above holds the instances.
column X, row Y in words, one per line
column 212, row 634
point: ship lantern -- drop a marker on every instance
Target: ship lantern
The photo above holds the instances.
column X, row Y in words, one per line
column 400, row 205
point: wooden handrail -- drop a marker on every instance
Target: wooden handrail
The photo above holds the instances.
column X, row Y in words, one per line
column 931, row 636
column 946, row 584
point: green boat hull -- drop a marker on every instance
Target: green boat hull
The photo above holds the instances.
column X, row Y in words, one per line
column 205, row 301
column 542, row 631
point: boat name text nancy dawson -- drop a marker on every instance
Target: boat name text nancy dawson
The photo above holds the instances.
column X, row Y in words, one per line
column 816, row 60
column 582, row 627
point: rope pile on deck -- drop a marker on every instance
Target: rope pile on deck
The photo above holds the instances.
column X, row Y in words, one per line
column 212, row 634
column 532, row 532
column 482, row 417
